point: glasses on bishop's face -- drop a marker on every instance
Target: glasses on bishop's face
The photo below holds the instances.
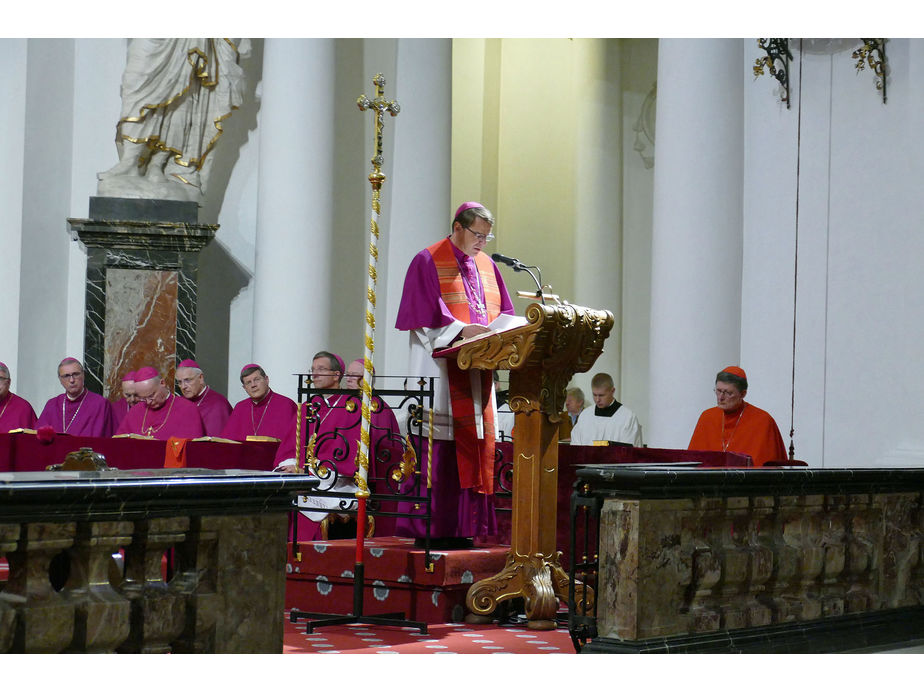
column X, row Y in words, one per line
column 726, row 394
column 480, row 236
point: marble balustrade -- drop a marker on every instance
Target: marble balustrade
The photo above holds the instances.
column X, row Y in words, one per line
column 226, row 532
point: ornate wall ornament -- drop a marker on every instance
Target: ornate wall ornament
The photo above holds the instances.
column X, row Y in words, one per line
column 645, row 128
column 776, row 62
column 872, row 53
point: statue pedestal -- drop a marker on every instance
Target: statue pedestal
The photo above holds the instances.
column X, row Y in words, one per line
column 142, row 267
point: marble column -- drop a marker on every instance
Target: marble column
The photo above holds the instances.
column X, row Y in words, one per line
column 295, row 230
column 141, row 287
column 697, row 238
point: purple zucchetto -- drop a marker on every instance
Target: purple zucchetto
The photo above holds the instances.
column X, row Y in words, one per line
column 467, row 205
column 146, row 373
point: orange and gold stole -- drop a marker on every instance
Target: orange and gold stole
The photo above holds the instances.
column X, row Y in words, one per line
column 475, row 455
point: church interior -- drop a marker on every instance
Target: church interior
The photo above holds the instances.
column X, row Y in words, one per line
column 727, row 204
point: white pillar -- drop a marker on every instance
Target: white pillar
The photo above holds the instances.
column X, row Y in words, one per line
column 416, row 209
column 697, row 240
column 292, row 265
column 46, row 192
column 598, row 273
column 12, row 158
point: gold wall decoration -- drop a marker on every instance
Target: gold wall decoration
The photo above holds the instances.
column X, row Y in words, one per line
column 872, row 53
column 776, row 62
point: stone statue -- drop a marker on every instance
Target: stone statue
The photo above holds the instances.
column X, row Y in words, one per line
column 175, row 94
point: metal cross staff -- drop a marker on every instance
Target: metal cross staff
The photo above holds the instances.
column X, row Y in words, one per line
column 379, row 106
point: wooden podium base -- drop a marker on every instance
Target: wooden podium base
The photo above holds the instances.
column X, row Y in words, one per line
column 539, row 581
column 542, row 355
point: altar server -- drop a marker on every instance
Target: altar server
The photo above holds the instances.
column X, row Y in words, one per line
column 610, row 420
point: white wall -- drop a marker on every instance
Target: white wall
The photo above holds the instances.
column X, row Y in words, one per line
column 859, row 383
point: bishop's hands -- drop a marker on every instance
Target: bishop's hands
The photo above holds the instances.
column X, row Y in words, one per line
column 472, row 331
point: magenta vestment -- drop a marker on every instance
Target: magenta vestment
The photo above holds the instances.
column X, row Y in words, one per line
column 178, row 418
column 88, row 415
column 214, row 409
column 271, row 416
column 15, row 412
column 119, row 410
column 337, row 423
column 455, row 512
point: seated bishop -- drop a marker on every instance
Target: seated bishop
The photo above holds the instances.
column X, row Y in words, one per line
column 331, row 424
column 734, row 425
column 264, row 414
column 214, row 407
column 77, row 411
column 160, row 413
column 128, row 399
column 15, row 412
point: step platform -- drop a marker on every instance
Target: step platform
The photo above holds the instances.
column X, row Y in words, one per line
column 319, row 578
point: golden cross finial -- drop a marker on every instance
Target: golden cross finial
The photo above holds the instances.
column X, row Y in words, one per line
column 380, row 106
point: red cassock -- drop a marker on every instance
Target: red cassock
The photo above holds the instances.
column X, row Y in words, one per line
column 750, row 431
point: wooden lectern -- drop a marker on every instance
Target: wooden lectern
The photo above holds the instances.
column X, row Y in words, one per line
column 557, row 342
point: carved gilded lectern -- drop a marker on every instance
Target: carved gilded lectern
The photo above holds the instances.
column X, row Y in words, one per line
column 557, row 342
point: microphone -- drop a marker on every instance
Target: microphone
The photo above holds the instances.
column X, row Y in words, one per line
column 520, row 267
column 512, row 262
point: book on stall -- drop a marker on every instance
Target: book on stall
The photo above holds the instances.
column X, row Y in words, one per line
column 136, row 436
column 23, row 430
column 262, row 439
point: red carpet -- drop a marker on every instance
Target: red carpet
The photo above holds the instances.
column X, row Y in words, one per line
column 442, row 638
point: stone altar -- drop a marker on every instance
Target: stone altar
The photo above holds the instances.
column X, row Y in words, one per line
column 227, row 531
column 754, row 560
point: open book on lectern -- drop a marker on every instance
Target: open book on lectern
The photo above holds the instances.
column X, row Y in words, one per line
column 502, row 323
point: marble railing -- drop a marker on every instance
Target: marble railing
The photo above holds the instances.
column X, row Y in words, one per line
column 755, row 560
column 225, row 533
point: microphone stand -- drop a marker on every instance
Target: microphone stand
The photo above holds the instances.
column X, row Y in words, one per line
column 519, row 266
